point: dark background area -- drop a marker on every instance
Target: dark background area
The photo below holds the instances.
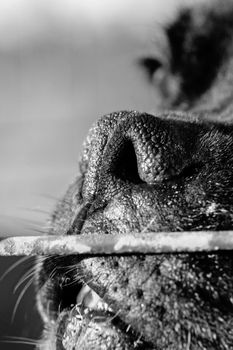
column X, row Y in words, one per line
column 17, row 325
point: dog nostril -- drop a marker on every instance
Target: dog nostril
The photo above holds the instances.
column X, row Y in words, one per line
column 125, row 165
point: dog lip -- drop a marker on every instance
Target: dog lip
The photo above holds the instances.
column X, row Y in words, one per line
column 80, row 321
column 77, row 324
column 77, row 321
column 87, row 298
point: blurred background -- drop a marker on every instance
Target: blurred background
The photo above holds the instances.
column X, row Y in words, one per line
column 63, row 64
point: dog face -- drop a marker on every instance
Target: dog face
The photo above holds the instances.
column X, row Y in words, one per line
column 167, row 172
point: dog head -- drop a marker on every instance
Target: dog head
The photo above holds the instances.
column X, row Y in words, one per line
column 168, row 172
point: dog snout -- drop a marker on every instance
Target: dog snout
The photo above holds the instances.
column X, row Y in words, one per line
column 134, row 149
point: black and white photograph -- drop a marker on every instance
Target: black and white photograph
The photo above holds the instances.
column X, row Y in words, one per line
column 116, row 181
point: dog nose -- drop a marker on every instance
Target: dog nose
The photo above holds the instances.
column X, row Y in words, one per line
column 129, row 148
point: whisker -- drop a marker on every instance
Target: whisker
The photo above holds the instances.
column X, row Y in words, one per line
column 78, row 279
column 43, row 232
column 34, row 210
column 27, row 285
column 20, row 340
column 148, row 225
column 35, row 222
column 20, row 219
column 28, row 274
column 52, row 273
column 13, row 266
column 48, row 196
column 138, row 341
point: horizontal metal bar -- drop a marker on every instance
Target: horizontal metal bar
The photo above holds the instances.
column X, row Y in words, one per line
column 102, row 244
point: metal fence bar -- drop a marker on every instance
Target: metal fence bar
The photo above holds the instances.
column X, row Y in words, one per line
column 102, row 244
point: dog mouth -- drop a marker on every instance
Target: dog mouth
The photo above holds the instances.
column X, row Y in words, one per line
column 91, row 319
column 88, row 312
column 89, row 308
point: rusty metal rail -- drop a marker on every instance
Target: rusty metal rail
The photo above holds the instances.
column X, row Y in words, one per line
column 144, row 243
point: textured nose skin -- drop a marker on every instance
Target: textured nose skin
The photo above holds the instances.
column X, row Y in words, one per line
column 128, row 148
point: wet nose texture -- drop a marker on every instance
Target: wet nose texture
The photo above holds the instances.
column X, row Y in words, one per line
column 129, row 149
